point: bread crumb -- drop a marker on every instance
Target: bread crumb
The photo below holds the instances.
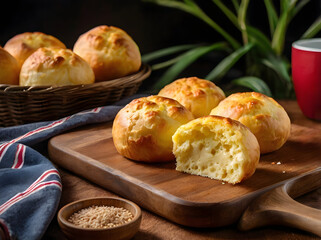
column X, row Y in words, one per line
column 283, row 171
column 278, row 163
column 272, row 163
column 223, row 182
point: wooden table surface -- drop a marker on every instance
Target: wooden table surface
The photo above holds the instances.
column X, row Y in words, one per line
column 155, row 227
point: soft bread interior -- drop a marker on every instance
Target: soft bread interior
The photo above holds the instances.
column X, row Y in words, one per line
column 216, row 152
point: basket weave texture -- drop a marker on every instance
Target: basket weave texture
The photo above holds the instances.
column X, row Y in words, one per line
column 20, row 105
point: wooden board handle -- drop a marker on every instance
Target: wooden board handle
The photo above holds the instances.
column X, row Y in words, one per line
column 277, row 207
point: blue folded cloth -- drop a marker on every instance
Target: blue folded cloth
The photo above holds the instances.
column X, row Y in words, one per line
column 30, row 186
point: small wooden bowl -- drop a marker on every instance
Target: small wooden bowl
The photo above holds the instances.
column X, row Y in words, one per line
column 122, row 232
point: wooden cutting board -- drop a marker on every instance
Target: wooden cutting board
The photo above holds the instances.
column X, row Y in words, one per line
column 182, row 198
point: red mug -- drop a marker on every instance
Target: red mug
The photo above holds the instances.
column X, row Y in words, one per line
column 306, row 75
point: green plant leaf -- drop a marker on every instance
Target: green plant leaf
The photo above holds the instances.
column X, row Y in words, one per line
column 259, row 39
column 228, row 13
column 298, row 7
column 236, row 5
column 292, row 3
column 279, row 34
column 284, row 5
column 279, row 66
column 167, row 63
column 173, row 4
column 278, row 39
column 225, row 65
column 198, row 12
column 254, row 83
column 272, row 15
column 242, row 19
column 192, row 8
column 288, row 5
column 191, row 3
column 313, row 29
column 186, row 59
column 167, row 51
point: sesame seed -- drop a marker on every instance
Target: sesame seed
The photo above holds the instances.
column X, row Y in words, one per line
column 101, row 217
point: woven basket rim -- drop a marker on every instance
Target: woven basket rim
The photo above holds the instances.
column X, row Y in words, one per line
column 25, row 104
column 142, row 74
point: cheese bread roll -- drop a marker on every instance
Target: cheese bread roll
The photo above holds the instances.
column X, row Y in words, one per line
column 216, row 147
column 267, row 119
column 143, row 129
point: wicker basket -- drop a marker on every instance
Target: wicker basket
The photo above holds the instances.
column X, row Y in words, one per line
column 20, row 105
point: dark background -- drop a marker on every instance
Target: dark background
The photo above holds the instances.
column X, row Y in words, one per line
column 151, row 26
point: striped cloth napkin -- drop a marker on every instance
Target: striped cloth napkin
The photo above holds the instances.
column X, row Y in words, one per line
column 30, row 186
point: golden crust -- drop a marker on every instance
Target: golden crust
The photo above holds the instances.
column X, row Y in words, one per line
column 266, row 118
column 56, row 67
column 197, row 95
column 23, row 45
column 216, row 147
column 143, row 129
column 9, row 68
column 110, row 51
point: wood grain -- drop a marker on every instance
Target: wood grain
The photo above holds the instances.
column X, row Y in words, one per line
column 182, row 198
column 277, row 207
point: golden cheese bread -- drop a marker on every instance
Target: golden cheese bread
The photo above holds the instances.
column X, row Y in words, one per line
column 110, row 51
column 9, row 68
column 267, row 119
column 197, row 95
column 216, row 147
column 23, row 45
column 143, row 129
column 56, row 67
